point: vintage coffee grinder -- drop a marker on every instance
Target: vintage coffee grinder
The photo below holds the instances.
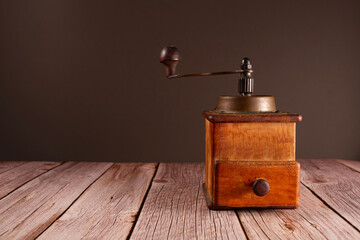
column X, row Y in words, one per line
column 250, row 146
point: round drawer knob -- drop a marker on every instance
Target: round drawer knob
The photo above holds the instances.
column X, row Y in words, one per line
column 261, row 187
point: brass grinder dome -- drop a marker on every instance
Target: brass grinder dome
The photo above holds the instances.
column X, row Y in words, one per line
column 236, row 104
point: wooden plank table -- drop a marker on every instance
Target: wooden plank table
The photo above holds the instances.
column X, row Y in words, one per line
column 76, row 200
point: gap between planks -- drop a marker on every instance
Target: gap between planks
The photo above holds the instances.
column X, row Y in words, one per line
column 329, row 206
column 20, row 174
column 73, row 202
column 108, row 207
column 7, row 165
column 27, row 211
column 336, row 184
column 175, row 208
column 143, row 201
column 354, row 165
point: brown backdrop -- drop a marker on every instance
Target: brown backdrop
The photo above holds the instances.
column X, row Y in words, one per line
column 80, row 80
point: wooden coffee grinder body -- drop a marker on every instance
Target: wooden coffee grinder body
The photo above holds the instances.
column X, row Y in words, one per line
column 250, row 160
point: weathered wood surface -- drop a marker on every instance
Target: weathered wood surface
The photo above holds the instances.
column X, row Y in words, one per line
column 119, row 201
column 108, row 208
column 7, row 165
column 355, row 165
column 17, row 176
column 312, row 220
column 175, row 208
column 336, row 184
column 29, row 210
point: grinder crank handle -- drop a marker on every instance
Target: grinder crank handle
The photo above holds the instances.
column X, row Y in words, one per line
column 170, row 57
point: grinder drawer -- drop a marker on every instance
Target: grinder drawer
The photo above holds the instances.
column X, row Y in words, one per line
column 256, row 184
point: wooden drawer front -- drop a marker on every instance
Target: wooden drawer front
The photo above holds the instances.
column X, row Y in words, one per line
column 233, row 184
column 256, row 141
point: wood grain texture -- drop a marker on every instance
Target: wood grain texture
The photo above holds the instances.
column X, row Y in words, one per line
column 312, row 220
column 256, row 141
column 108, row 208
column 7, row 165
column 252, row 117
column 19, row 175
column 209, row 157
column 233, row 184
column 29, row 210
column 251, row 138
column 336, row 184
column 175, row 208
column 351, row 164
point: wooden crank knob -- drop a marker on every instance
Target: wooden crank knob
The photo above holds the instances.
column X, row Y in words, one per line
column 261, row 187
column 170, row 57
